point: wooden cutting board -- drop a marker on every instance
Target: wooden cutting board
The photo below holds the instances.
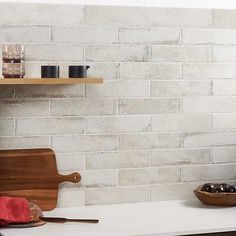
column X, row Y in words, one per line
column 32, row 173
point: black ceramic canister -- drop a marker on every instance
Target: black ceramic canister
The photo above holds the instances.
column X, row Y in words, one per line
column 50, row 71
column 78, row 71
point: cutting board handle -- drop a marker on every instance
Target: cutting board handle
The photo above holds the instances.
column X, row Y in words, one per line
column 74, row 178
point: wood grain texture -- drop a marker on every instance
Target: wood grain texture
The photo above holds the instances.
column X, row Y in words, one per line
column 32, row 173
column 215, row 199
column 5, row 81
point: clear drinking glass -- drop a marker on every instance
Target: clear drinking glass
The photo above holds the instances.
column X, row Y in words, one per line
column 13, row 70
column 13, row 52
column 13, row 65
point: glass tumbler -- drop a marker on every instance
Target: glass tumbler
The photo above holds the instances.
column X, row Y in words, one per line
column 13, row 65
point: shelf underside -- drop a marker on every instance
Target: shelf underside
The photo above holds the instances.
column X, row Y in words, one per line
column 4, row 81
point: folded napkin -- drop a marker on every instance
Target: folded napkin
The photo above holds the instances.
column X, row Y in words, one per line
column 14, row 210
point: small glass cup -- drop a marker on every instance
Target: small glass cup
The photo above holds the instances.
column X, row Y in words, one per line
column 13, row 52
column 13, row 70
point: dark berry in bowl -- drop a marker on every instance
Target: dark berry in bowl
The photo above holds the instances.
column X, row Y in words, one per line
column 219, row 188
column 207, row 187
column 232, row 189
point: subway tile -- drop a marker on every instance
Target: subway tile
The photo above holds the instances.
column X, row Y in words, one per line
column 94, row 178
column 49, row 126
column 41, row 14
column 54, row 52
column 117, row 124
column 180, row 88
column 117, row 160
column 84, row 35
column 149, row 176
column 146, row 16
column 7, row 127
column 224, row 121
column 180, row 53
column 83, row 107
column 98, row 178
column 223, row 18
column 224, row 154
column 52, row 91
column 209, row 172
column 150, row 71
column 224, row 87
column 149, row 106
column 70, row 198
column 24, row 34
column 176, row 191
column 82, row 143
column 209, row 139
column 70, row 161
column 7, row 91
column 224, row 53
column 149, row 141
column 208, row 36
column 181, row 157
column 118, row 89
column 24, row 142
column 180, row 122
column 108, row 71
column 209, row 71
column 149, row 35
column 209, row 104
column 117, row 53
column 98, row 196
column 24, row 108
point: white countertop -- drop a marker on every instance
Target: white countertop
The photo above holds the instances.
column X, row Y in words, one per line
column 150, row 218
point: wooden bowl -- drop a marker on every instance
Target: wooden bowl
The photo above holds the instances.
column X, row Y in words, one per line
column 215, row 199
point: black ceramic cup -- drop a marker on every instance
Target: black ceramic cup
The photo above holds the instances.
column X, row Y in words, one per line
column 50, row 71
column 78, row 71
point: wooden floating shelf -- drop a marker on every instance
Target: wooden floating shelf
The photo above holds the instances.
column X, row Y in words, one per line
column 5, row 81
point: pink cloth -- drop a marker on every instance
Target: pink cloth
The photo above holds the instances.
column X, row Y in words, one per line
column 14, row 210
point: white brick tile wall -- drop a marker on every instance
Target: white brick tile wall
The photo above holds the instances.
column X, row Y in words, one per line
column 181, row 122
column 144, row 16
column 223, row 18
column 149, row 141
column 163, row 121
column 83, row 107
column 41, row 14
column 81, row 143
column 180, row 88
column 117, row 53
column 49, row 126
column 209, row 172
column 118, row 89
column 209, row 71
column 24, row 108
column 54, row 52
column 121, row 159
column 224, row 154
column 117, row 124
column 208, row 36
column 149, row 176
column 224, row 87
column 149, row 106
column 180, row 53
column 181, row 157
column 150, row 71
column 85, row 35
column 24, row 34
column 96, row 196
column 149, row 35
column 209, row 104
